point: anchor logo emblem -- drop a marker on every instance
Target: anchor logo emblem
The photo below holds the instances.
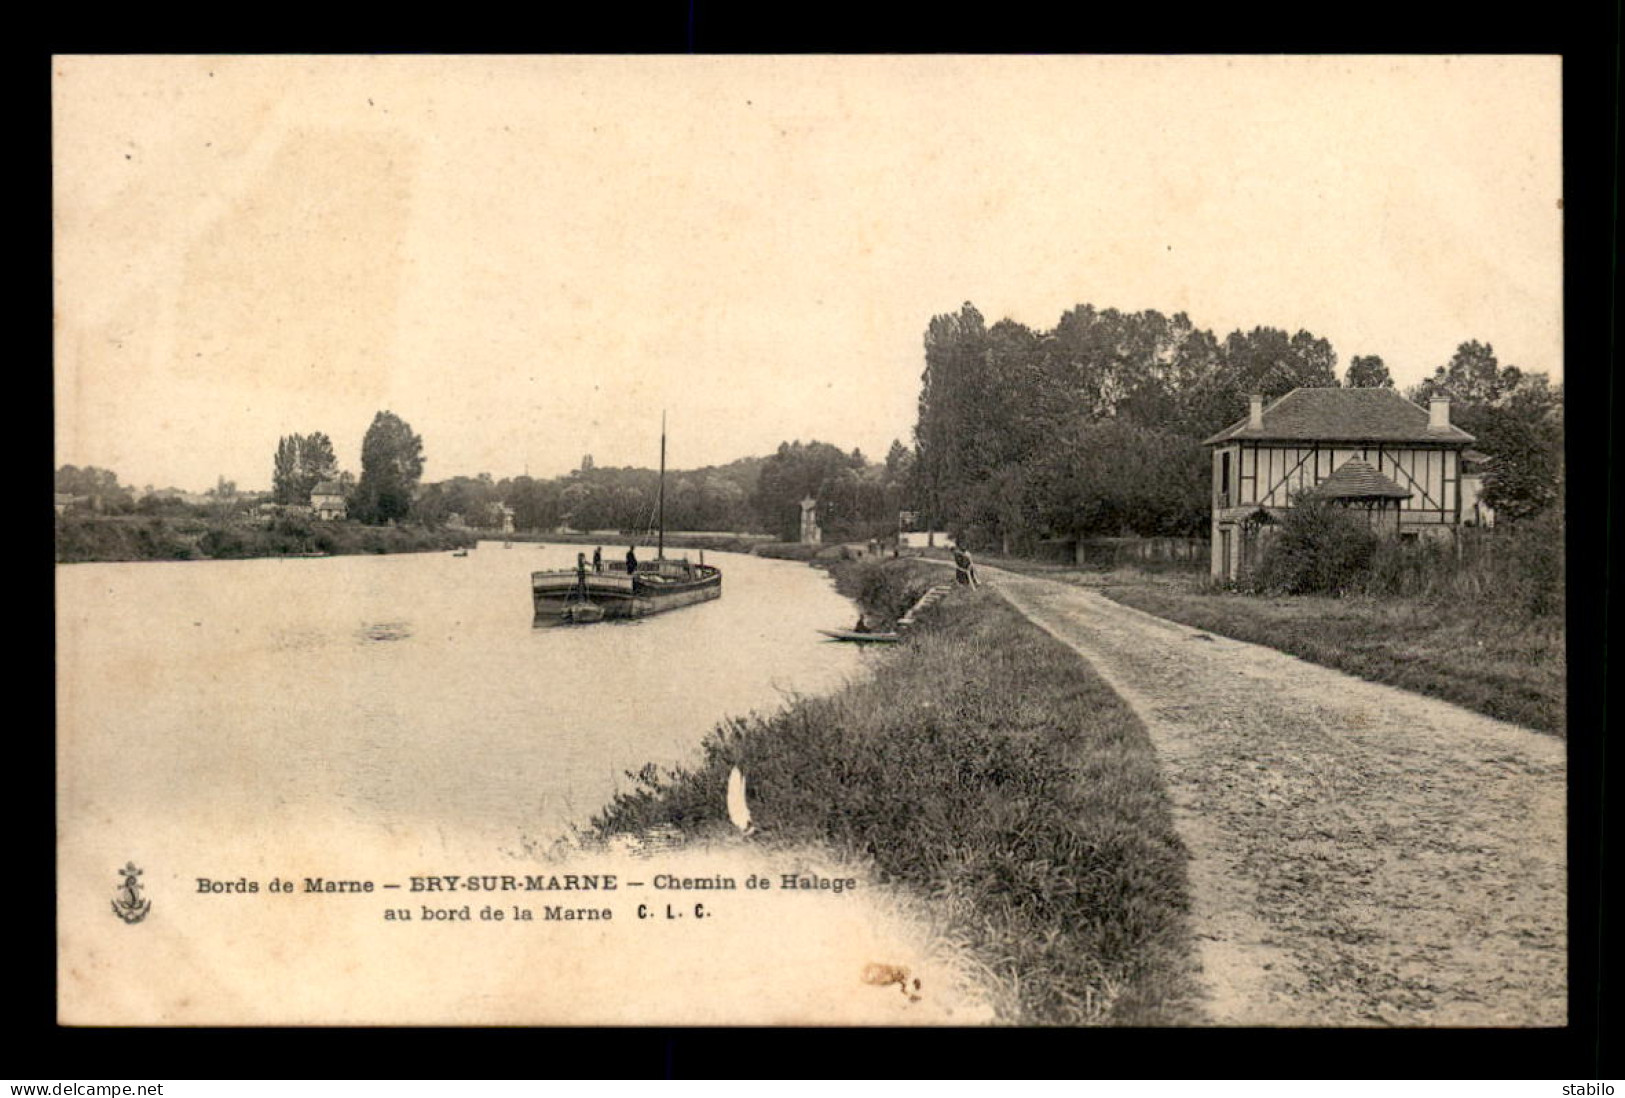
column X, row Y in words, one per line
column 129, row 905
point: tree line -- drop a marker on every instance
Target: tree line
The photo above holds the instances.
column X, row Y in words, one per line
column 1095, row 427
column 856, row 498
column 391, row 468
column 1091, row 428
column 752, row 494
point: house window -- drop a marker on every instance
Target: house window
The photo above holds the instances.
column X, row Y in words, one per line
column 1224, row 477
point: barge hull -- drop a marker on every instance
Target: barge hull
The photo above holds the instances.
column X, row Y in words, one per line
column 618, row 600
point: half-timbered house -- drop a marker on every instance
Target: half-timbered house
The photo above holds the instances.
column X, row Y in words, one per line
column 1367, row 448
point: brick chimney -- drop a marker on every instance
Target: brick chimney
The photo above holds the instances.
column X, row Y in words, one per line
column 1438, row 414
column 1255, row 412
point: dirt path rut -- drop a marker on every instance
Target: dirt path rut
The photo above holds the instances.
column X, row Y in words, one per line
column 1360, row 855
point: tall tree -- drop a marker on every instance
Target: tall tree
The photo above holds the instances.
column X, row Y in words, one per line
column 823, row 472
column 1520, row 428
column 950, row 390
column 1515, row 418
column 301, row 463
column 1367, row 372
column 1264, row 361
column 1472, row 376
column 896, row 457
column 1524, row 477
column 1268, row 362
column 391, row 465
column 285, row 471
column 317, row 462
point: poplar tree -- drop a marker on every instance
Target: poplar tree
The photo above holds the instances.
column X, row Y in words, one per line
column 391, row 466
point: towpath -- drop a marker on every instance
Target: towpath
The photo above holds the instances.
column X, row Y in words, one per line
column 1360, row 855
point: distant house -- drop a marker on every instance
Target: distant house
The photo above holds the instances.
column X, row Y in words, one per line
column 66, row 502
column 504, row 516
column 1366, row 449
column 327, row 500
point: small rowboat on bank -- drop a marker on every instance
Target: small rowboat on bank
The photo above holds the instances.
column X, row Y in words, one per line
column 861, row 638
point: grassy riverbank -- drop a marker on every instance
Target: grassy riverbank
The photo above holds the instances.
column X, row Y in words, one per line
column 1512, row 669
column 983, row 766
column 146, row 537
column 1477, row 652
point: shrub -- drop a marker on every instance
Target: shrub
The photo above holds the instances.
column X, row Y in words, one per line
column 1319, row 548
column 886, row 589
column 1514, row 573
column 223, row 542
column 1426, row 569
column 294, row 526
column 1522, row 566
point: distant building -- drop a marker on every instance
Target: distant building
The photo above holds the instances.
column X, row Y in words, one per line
column 327, row 500
column 66, row 502
column 504, row 515
column 1366, row 449
column 1474, row 511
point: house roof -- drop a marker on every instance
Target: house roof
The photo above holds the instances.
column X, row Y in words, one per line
column 1357, row 479
column 327, row 488
column 1342, row 415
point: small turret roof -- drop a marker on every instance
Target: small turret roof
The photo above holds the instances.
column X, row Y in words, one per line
column 1358, row 479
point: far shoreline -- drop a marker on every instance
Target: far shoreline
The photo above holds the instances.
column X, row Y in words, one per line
column 129, row 539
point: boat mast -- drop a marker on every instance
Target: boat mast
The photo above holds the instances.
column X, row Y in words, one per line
column 660, row 505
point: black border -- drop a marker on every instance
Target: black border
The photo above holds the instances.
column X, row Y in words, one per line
column 1586, row 35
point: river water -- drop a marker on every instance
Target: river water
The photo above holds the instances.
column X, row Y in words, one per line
column 225, row 728
column 407, row 693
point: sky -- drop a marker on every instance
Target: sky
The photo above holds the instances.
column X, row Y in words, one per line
column 529, row 259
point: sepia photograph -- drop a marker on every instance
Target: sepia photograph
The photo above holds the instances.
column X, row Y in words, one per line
column 818, row 540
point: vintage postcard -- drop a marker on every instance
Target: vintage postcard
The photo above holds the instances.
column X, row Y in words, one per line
column 931, row 540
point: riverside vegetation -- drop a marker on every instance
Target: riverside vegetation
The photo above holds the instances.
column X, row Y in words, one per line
column 152, row 537
column 985, row 766
column 1481, row 624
